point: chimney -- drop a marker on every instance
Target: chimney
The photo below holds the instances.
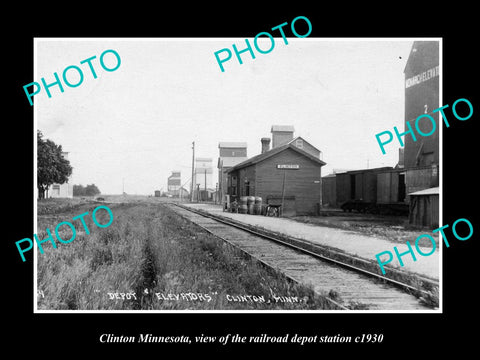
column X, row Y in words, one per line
column 265, row 144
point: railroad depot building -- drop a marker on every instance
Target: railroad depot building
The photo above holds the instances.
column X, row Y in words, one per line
column 287, row 174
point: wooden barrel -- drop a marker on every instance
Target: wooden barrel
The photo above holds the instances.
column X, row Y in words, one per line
column 242, row 208
column 257, row 209
column 243, row 200
column 250, row 200
column 250, row 208
column 258, row 200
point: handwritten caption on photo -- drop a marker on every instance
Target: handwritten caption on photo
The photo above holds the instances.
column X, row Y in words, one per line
column 195, row 297
column 191, row 296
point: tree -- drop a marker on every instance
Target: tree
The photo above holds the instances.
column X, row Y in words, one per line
column 91, row 190
column 78, row 190
column 52, row 167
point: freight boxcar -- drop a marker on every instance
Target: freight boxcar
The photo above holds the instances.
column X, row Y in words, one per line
column 379, row 190
column 359, row 185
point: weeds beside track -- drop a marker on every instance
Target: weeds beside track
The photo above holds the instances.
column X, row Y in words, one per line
column 150, row 250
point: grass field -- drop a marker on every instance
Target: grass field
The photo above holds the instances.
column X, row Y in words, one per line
column 151, row 259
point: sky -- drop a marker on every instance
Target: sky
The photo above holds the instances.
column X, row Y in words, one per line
column 133, row 126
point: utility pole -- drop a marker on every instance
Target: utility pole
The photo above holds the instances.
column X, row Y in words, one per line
column 320, row 200
column 220, row 183
column 283, row 189
column 193, row 169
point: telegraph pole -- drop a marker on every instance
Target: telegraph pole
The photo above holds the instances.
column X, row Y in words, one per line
column 283, row 189
column 193, row 169
column 320, row 202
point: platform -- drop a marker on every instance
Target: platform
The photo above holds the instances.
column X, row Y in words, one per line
column 350, row 242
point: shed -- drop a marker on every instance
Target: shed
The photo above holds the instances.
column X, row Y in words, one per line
column 425, row 207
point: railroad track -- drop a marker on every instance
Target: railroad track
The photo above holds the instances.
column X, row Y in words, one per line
column 346, row 286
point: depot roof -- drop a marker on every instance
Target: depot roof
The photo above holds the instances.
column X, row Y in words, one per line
column 258, row 158
column 429, row 191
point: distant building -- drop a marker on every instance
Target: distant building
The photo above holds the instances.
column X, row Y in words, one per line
column 281, row 135
column 60, row 190
column 421, row 158
column 202, row 179
column 422, row 97
column 203, row 173
column 174, row 182
column 230, row 154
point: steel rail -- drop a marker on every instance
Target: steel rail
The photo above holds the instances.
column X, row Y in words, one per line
column 263, row 262
column 303, row 250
